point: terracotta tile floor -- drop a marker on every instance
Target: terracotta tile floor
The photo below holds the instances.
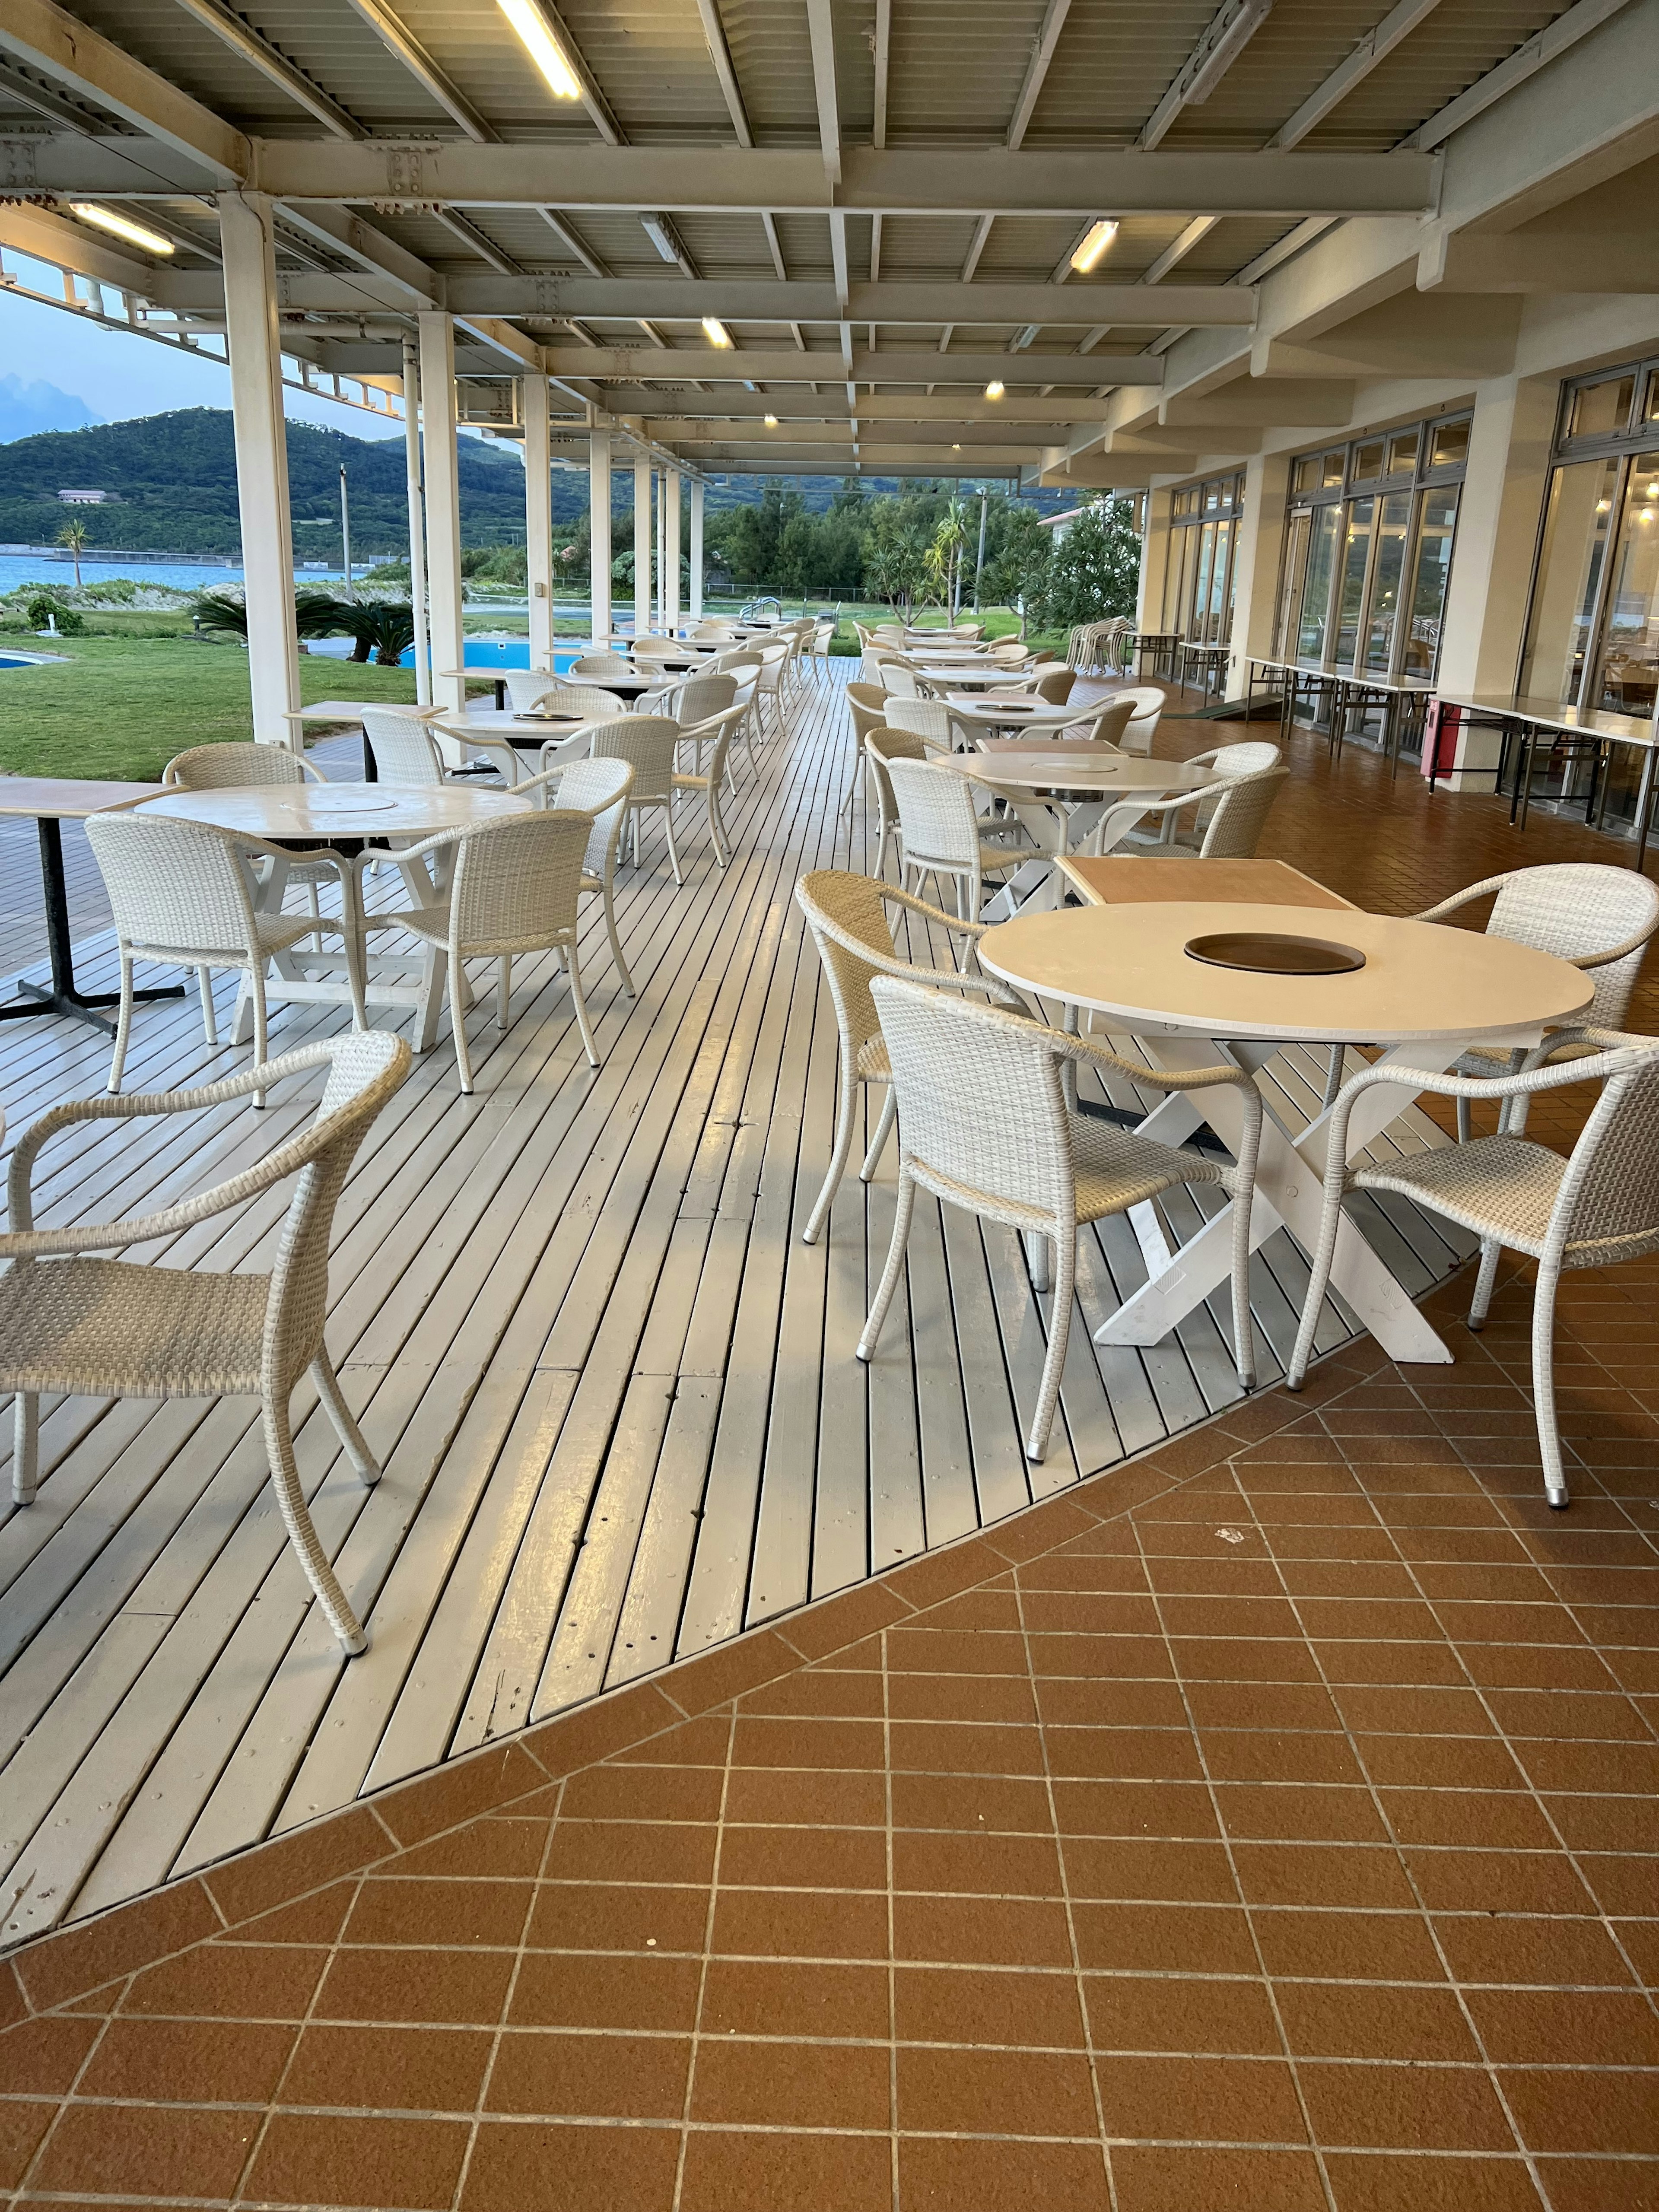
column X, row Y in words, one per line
column 1269, row 1824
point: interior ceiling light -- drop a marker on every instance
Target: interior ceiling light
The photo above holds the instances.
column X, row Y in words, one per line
column 122, row 226
column 655, row 228
column 1093, row 243
column 715, row 331
column 995, row 389
column 543, row 48
column 771, row 421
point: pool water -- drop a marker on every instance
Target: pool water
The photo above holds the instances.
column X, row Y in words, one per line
column 481, row 653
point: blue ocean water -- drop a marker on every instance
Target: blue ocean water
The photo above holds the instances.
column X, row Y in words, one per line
column 17, row 569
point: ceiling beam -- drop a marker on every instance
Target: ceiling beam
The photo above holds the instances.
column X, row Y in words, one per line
column 881, row 52
column 1036, row 72
column 71, row 54
column 830, row 405
column 49, row 238
column 1526, row 61
column 1065, row 371
column 1227, row 34
column 719, row 53
column 1375, row 47
column 369, row 248
column 598, row 106
column 922, row 181
column 56, row 105
column 572, row 244
column 461, row 226
column 976, row 246
column 1194, row 235
column 425, row 72
column 820, row 30
column 274, row 67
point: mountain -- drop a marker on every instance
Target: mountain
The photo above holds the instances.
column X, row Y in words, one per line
column 28, row 409
column 175, row 476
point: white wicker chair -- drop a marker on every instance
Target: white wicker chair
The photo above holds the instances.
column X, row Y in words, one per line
column 769, row 685
column 984, row 1123
column 184, row 893
column 557, row 698
column 405, row 750
column 100, row 1328
column 898, row 680
column 930, row 720
column 882, row 742
column 232, row 765
column 649, row 744
column 603, row 667
column 512, row 889
column 939, row 833
column 718, row 732
column 1054, row 686
column 1230, row 813
column 1600, row 1205
column 598, row 788
column 693, row 699
column 847, row 916
column 1102, row 723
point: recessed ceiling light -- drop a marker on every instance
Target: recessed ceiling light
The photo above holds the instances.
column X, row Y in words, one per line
column 656, row 229
column 122, row 226
column 543, row 48
column 771, row 421
column 1093, row 243
column 715, row 331
column 995, row 388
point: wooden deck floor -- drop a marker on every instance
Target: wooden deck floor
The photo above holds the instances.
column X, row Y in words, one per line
column 613, row 1393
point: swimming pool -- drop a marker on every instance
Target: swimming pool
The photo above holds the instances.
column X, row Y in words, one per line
column 485, row 654
column 25, row 659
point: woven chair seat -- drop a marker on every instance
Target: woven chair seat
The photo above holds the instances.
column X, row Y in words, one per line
column 432, row 924
column 991, row 857
column 93, row 1327
column 1503, row 1187
column 1117, row 1168
column 275, row 933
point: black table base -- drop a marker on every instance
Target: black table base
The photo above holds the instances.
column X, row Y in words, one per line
column 65, row 997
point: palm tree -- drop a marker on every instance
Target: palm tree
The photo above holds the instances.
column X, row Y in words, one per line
column 73, row 535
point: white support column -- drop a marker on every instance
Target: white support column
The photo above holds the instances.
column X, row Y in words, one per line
column 641, row 546
column 538, row 522
column 1154, row 562
column 443, row 504
column 416, row 521
column 1257, row 555
column 670, row 567
column 696, row 548
column 599, row 531
column 660, row 609
column 256, row 399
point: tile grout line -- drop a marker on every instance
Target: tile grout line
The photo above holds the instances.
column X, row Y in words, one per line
column 682, row 2148
column 892, row 1943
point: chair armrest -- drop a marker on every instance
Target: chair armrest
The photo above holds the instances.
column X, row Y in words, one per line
column 1466, row 897
column 27, row 1242
column 1086, row 1052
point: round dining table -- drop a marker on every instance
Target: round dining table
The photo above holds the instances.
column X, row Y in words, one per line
column 1426, row 994
column 339, row 817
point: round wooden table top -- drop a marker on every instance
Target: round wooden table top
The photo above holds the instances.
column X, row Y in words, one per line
column 1093, row 769
column 322, row 812
column 1421, row 980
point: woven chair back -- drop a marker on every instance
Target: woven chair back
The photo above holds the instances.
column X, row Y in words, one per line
column 403, row 748
column 1056, row 685
column 937, row 820
column 926, row 719
column 584, row 699
column 527, row 687
column 516, row 883
column 701, row 696
column 181, row 885
column 646, row 743
column 1245, row 758
column 897, row 681
column 1610, row 1193
column 1142, row 725
column 1234, row 828
column 1575, row 909
column 656, row 648
column 598, row 787
column 889, row 633
column 980, row 1102
column 218, row 768
column 367, row 1066
column 602, row 667
column 734, row 663
column 839, row 906
column 1008, row 648
column 867, row 704
column 1107, row 727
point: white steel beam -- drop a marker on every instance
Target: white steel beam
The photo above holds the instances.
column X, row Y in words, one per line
column 276, row 68
column 1228, row 33
column 425, row 72
column 443, row 505
column 976, row 246
column 1375, row 47
column 48, row 238
column 881, row 56
column 573, row 245
column 71, row 54
column 821, row 29
column 719, row 53
column 1194, row 235
column 1043, row 53
column 256, row 402
column 1065, row 370
column 370, row 248
column 1526, row 61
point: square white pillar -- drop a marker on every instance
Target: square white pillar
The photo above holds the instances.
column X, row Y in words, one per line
column 1154, row 562
column 696, row 548
column 256, row 399
column 538, row 522
column 443, row 505
column 599, row 531
column 642, row 547
column 1257, row 555
column 416, row 521
column 670, row 565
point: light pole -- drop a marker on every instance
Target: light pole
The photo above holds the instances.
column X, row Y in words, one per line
column 345, row 533
column 979, row 565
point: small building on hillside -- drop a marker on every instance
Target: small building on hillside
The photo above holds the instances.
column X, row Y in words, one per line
column 90, row 498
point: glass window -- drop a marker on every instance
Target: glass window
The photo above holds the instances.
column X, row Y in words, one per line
column 1314, row 614
column 1220, row 601
column 1650, row 412
column 1394, row 519
column 1351, row 593
column 1450, row 444
column 1368, row 460
column 1578, row 524
column 1333, row 465
column 1402, row 452
column 1295, row 574
column 1436, row 526
column 1627, row 671
column 1310, row 473
column 1600, row 410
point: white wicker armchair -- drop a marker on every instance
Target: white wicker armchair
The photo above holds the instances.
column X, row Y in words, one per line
column 598, row 788
column 1230, row 812
column 650, row 745
column 185, row 894
column 512, row 889
column 405, row 750
column 984, row 1123
column 603, row 667
column 1599, row 1205
column 717, row 732
column 939, row 834
column 99, row 1328
column 234, row 765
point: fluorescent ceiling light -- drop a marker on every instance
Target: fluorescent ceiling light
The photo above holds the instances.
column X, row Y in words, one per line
column 133, row 232
column 1094, row 242
column 994, row 389
column 715, row 331
column 656, row 229
column 543, row 48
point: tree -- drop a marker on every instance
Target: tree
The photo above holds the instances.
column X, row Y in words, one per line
column 1094, row 570
column 895, row 550
column 1017, row 572
column 945, row 555
column 73, row 535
